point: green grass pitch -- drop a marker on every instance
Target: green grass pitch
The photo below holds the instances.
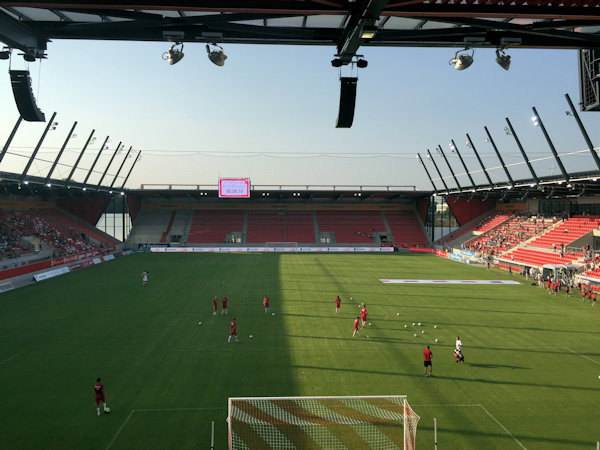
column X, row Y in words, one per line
column 530, row 380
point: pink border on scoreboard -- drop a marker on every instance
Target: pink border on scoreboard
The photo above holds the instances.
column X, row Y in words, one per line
column 246, row 182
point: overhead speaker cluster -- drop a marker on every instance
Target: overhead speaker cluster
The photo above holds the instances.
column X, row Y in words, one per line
column 21, row 87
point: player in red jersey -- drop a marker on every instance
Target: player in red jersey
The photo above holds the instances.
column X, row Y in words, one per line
column 224, row 306
column 427, row 355
column 594, row 299
column 356, row 330
column 215, row 303
column 266, row 303
column 100, row 397
column 337, row 304
column 589, row 295
column 233, row 331
column 363, row 315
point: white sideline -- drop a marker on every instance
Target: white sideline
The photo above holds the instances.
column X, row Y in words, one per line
column 112, row 441
column 583, row 356
column 9, row 358
column 485, row 410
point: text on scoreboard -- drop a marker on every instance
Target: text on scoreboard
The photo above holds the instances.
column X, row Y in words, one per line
column 234, row 187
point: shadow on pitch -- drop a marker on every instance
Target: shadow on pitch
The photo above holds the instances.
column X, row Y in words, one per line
column 449, row 378
column 497, row 366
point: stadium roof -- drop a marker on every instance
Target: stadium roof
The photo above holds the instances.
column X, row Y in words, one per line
column 343, row 24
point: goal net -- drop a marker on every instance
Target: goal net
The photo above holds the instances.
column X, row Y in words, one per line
column 371, row 422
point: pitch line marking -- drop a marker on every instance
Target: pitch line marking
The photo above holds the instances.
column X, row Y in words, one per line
column 112, row 441
column 583, row 356
column 503, row 427
column 484, row 409
column 9, row 358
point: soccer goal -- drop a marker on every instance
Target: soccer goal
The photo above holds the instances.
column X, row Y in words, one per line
column 367, row 422
column 282, row 246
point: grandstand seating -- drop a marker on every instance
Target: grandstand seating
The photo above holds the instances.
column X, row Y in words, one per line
column 265, row 226
column 538, row 257
column 351, row 226
column 493, row 222
column 405, row 228
column 299, row 227
column 149, row 226
column 59, row 233
column 510, row 233
column 567, row 232
column 212, row 226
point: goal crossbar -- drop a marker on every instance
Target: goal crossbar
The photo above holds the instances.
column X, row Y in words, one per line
column 328, row 422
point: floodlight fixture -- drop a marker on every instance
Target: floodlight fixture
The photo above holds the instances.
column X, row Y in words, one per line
column 84, row 189
column 507, row 131
column 362, row 63
column 29, row 58
column 174, row 55
column 5, row 53
column 594, row 179
column 502, row 59
column 122, row 193
column 337, row 62
column 48, row 184
column 368, row 32
column 452, row 147
column 462, row 62
column 25, row 182
column 217, row 57
column 468, row 144
column 536, row 121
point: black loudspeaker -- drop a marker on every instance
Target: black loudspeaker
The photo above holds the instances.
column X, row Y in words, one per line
column 21, row 86
column 347, row 102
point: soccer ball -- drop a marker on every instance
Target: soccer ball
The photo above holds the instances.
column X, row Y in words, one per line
column 419, row 323
column 397, row 314
column 370, row 323
column 435, row 326
column 250, row 336
column 350, row 298
column 107, row 410
column 199, row 323
column 422, row 331
column 436, row 340
column 272, row 314
column 405, row 326
column 415, row 335
column 413, row 324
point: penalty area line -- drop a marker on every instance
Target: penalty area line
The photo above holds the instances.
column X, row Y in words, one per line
column 112, row 441
column 9, row 358
column 503, row 427
column 572, row 351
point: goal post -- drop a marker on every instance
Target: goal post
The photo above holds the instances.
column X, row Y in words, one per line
column 356, row 422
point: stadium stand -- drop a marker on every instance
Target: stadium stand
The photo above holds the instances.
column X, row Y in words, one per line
column 567, row 232
column 510, row 233
column 149, row 226
column 264, row 226
column 352, row 226
column 212, row 226
column 406, row 229
column 538, row 257
column 46, row 233
column 300, row 227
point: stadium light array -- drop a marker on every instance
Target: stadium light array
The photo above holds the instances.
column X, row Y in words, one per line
column 462, row 62
column 217, row 57
column 535, row 121
column 502, row 59
column 174, row 55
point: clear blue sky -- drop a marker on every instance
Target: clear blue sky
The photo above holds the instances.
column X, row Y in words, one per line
column 270, row 112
